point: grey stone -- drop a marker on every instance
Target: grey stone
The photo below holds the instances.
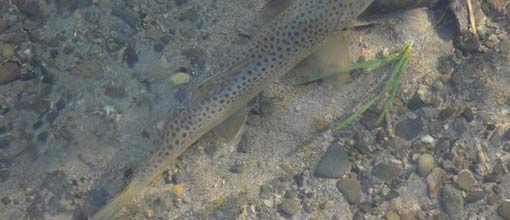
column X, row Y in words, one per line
column 290, row 206
column 409, row 128
column 504, row 209
column 452, row 202
column 386, row 172
column 474, row 196
column 334, row 164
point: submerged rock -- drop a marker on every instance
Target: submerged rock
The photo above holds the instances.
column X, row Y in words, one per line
column 425, row 164
column 334, row 163
column 453, row 203
column 386, row 172
column 351, row 188
column 9, row 72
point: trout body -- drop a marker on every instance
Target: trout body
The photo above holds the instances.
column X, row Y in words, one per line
column 291, row 36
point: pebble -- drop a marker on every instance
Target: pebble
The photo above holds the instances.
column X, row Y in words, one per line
column 9, row 72
column 386, row 172
column 466, row 180
column 351, row 188
column 409, row 128
column 474, row 196
column 392, row 216
column 7, row 51
column 425, row 164
column 427, row 139
column 334, row 164
column 180, row 78
column 289, row 206
column 130, row 56
column 452, row 202
column 265, row 192
column 504, row 209
column 435, row 181
column 178, row 190
column 468, row 114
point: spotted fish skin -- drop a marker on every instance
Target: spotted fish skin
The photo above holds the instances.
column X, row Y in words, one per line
column 291, row 36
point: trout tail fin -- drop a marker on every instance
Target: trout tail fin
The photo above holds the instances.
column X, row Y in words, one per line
column 125, row 197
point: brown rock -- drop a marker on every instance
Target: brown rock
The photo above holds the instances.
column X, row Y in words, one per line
column 435, row 181
column 466, row 180
column 9, row 72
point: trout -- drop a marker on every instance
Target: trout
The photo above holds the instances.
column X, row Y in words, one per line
column 291, row 36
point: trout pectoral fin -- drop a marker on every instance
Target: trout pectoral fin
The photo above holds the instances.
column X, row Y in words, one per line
column 229, row 129
column 330, row 60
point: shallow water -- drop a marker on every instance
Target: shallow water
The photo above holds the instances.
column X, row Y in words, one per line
column 85, row 87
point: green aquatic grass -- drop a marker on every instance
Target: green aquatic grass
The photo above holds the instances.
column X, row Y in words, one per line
column 390, row 87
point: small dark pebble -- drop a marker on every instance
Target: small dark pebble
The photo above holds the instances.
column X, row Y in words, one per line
column 37, row 124
column 415, row 103
column 365, row 206
column 300, row 180
column 6, row 200
column 43, row 136
column 68, row 50
column 445, row 114
column 159, row 47
column 468, row 42
column 468, row 114
column 409, row 128
column 177, row 178
column 474, row 196
column 391, row 195
column 130, row 56
column 27, row 76
column 53, row 53
column 236, row 168
column 445, row 65
column 4, row 143
column 491, row 127
column 61, row 104
column 49, row 79
column 4, row 110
